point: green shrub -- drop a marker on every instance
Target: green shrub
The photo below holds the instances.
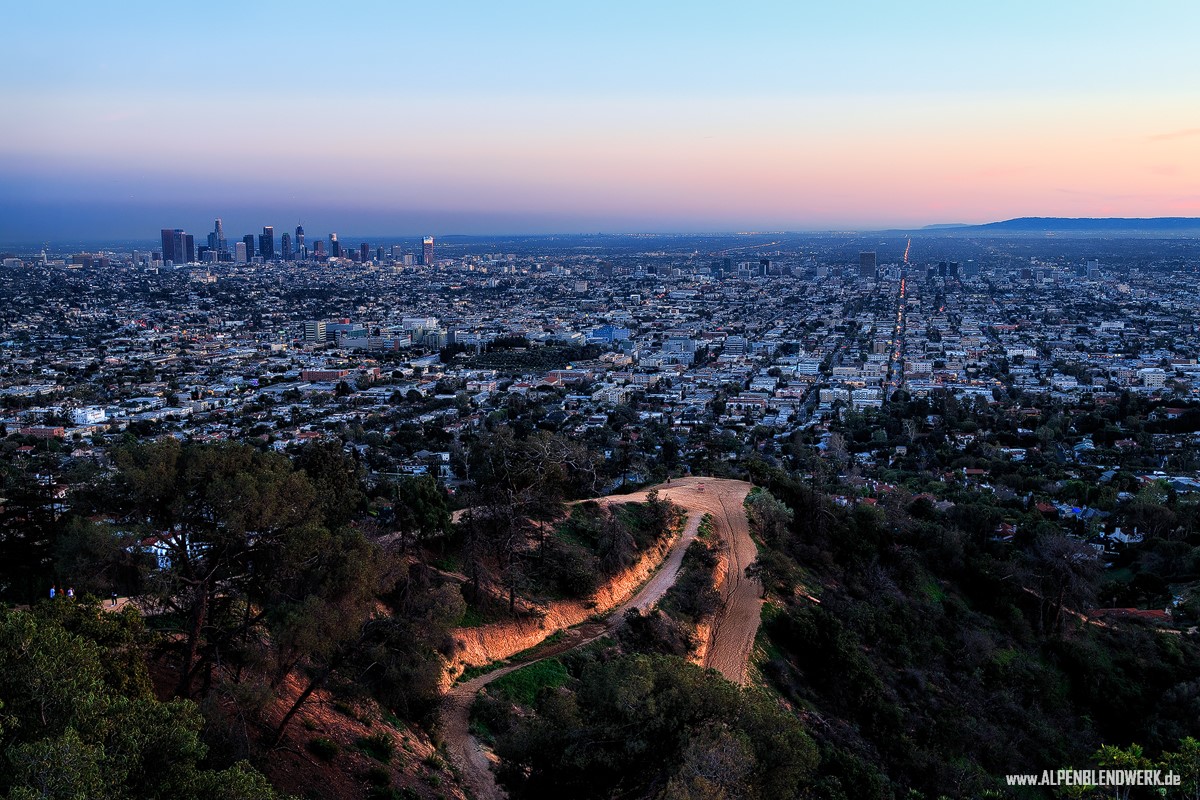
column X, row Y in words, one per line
column 523, row 685
column 378, row 776
column 322, row 748
column 378, row 746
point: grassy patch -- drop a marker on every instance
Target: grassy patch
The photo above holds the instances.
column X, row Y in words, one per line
column 322, row 748
column 378, row 746
column 1120, row 575
column 470, row 673
column 472, row 618
column 522, row 686
column 451, row 562
column 582, row 527
column 933, row 591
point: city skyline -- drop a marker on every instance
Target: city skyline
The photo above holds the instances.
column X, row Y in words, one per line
column 539, row 119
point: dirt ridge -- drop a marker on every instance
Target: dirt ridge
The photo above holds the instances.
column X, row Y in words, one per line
column 728, row 646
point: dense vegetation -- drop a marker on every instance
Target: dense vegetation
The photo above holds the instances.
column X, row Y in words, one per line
column 79, row 719
column 938, row 659
column 267, row 581
column 640, row 725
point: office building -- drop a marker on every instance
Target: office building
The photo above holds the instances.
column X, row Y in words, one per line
column 216, row 241
column 168, row 245
column 178, row 247
column 427, row 251
column 266, row 243
column 867, row 265
column 364, row 252
column 239, row 252
column 319, row 250
column 335, row 250
column 248, row 240
column 285, row 246
column 314, row 330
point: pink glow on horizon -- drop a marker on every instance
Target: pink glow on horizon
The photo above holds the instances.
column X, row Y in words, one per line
column 786, row 164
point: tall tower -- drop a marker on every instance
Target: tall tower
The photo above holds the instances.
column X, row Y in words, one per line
column 335, row 250
column 301, row 251
column 266, row 243
column 168, row 244
column 427, row 251
column 867, row 265
column 222, row 244
column 248, row 241
column 285, row 245
column 364, row 252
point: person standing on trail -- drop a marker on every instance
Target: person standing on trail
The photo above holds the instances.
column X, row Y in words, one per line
column 52, row 592
column 114, row 599
column 71, row 592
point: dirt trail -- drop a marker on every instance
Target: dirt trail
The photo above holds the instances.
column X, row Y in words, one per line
column 734, row 626
column 732, row 633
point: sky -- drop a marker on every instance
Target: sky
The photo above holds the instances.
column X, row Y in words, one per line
column 462, row 117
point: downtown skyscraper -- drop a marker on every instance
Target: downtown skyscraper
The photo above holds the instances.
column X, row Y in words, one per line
column 216, row 240
column 266, row 243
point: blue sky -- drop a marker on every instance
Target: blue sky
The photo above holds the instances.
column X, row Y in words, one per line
column 457, row 117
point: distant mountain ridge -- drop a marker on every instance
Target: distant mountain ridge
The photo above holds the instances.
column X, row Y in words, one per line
column 1141, row 225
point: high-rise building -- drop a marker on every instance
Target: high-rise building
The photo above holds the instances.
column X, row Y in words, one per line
column 239, row 252
column 364, row 252
column 314, row 330
column 299, row 237
column 179, row 246
column 285, row 246
column 335, row 250
column 427, row 251
column 168, row 245
column 248, row 241
column 319, row 250
column 266, row 243
column 867, row 265
column 216, row 240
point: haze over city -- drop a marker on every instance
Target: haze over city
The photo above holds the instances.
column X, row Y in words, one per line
column 544, row 117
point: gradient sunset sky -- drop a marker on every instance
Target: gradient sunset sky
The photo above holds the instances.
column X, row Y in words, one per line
column 522, row 117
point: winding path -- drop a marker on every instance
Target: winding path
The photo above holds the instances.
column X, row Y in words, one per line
column 732, row 633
